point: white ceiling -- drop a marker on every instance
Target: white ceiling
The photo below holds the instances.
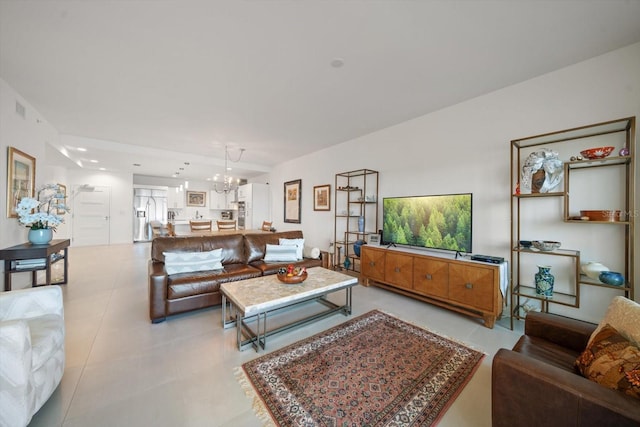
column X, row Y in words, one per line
column 165, row 82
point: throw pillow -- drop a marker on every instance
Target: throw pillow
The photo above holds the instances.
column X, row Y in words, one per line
column 188, row 262
column 624, row 315
column 309, row 252
column 298, row 243
column 280, row 253
column 612, row 361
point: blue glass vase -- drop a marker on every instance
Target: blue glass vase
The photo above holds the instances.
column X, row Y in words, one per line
column 544, row 281
column 361, row 224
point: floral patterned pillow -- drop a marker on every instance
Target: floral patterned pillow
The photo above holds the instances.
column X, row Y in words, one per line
column 612, row 361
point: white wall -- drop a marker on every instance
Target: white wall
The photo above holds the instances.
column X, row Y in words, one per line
column 466, row 148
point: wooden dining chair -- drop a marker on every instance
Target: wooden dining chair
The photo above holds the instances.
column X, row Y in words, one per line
column 171, row 231
column 200, row 225
column 227, row 225
column 266, row 225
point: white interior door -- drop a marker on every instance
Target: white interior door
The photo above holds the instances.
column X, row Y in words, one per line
column 91, row 216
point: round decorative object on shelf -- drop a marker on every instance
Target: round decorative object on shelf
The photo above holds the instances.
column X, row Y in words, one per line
column 597, row 153
column 611, row 278
column 593, row 269
column 40, row 237
column 544, row 281
column 546, row 245
column 357, row 246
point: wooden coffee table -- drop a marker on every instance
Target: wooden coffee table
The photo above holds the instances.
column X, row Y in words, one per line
column 252, row 301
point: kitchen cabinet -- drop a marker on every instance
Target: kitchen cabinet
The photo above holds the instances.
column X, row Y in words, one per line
column 257, row 208
column 218, row 200
column 604, row 183
column 175, row 198
column 468, row 287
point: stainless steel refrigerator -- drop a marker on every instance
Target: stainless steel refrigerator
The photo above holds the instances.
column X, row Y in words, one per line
column 149, row 210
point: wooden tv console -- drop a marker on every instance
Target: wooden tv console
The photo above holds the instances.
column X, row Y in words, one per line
column 468, row 287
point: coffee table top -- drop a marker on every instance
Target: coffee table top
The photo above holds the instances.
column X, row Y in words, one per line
column 252, row 296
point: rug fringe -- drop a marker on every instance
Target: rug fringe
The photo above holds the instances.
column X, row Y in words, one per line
column 259, row 408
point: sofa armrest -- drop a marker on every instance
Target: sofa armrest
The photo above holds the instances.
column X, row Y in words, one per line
column 569, row 333
column 157, row 291
column 15, row 354
column 31, row 302
column 324, row 256
column 529, row 392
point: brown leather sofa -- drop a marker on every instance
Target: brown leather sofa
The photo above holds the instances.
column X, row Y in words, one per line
column 536, row 383
column 242, row 259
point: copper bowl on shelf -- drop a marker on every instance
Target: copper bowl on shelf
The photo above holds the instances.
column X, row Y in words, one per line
column 602, row 215
column 292, row 280
column 597, row 153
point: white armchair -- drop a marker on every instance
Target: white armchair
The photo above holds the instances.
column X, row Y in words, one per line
column 31, row 351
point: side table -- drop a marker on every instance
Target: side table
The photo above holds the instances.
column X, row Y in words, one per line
column 49, row 254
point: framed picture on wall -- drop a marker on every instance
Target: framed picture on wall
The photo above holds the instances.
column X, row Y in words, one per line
column 197, row 198
column 322, row 197
column 21, row 179
column 62, row 189
column 292, row 201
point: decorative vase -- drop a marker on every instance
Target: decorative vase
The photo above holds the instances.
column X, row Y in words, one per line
column 593, row 269
column 40, row 237
column 346, row 263
column 357, row 246
column 361, row 224
column 544, row 281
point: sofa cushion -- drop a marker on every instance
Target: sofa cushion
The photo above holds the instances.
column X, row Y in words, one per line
column 298, row 243
column 187, row 262
column 256, row 243
column 183, row 285
column 623, row 315
column 280, row 253
column 272, row 267
column 612, row 361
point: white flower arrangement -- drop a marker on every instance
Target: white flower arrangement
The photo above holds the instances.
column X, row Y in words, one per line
column 39, row 213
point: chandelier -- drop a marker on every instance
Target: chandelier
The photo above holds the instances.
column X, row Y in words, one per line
column 227, row 185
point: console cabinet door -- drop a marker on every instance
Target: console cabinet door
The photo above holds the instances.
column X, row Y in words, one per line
column 472, row 286
column 372, row 262
column 399, row 270
column 431, row 277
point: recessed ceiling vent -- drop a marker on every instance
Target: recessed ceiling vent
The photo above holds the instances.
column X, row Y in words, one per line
column 20, row 110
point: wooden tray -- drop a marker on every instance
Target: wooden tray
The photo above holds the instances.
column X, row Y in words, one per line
column 292, row 280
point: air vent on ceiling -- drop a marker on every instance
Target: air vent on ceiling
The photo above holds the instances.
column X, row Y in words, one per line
column 20, row 110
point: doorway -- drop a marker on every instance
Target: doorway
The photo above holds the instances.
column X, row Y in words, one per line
column 91, row 215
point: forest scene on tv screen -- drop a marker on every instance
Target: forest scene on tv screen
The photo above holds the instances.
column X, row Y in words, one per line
column 439, row 222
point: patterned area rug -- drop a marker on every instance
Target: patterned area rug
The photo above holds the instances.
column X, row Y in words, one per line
column 373, row 370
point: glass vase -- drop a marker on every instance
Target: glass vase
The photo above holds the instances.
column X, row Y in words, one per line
column 544, row 281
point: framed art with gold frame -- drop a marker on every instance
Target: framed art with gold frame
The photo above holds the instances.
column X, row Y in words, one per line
column 21, row 179
column 322, row 197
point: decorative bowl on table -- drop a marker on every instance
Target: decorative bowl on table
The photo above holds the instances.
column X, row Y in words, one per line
column 546, row 245
column 292, row 275
column 597, row 153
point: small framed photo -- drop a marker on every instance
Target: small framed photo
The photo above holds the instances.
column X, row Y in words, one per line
column 373, row 239
column 197, row 198
column 322, row 197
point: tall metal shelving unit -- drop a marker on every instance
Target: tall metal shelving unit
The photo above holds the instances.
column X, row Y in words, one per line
column 356, row 195
column 556, row 212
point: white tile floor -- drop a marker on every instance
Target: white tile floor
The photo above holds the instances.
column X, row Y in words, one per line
column 124, row 371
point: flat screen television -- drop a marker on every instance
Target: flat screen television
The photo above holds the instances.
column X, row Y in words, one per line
column 432, row 222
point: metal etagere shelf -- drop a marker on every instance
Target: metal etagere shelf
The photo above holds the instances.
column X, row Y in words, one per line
column 356, row 196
